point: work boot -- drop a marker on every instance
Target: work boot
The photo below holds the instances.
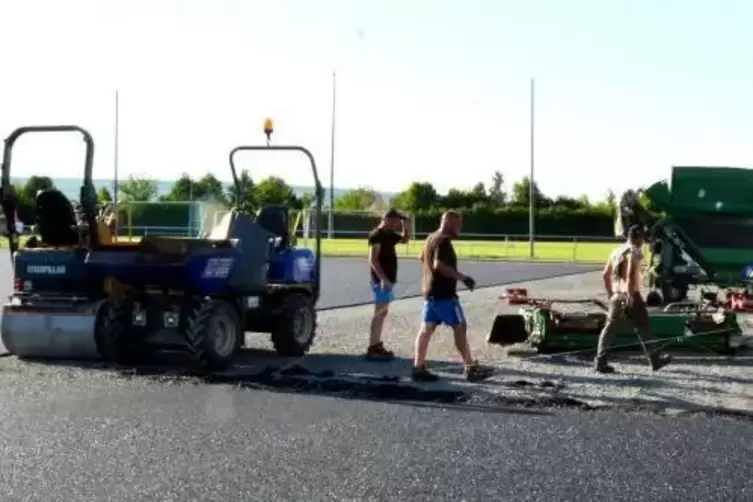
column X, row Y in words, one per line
column 601, row 366
column 477, row 373
column 377, row 352
column 658, row 361
column 422, row 374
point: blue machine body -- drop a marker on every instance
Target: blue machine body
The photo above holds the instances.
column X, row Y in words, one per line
column 292, row 265
column 208, row 273
column 51, row 270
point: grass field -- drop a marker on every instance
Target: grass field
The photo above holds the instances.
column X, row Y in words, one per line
column 586, row 252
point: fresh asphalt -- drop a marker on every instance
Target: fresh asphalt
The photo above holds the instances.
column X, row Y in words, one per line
column 90, row 435
column 66, row 437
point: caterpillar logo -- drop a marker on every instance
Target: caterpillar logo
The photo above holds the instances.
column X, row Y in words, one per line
column 46, row 269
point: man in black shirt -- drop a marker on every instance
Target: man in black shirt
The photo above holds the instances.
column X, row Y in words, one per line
column 441, row 304
column 393, row 229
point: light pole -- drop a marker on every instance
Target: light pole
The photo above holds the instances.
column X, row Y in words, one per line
column 531, row 185
column 331, row 222
column 115, row 160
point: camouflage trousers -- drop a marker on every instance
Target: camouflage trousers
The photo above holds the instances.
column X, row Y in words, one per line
column 635, row 314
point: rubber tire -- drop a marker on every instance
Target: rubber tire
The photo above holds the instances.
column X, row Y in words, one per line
column 114, row 339
column 668, row 289
column 199, row 344
column 283, row 337
column 654, row 299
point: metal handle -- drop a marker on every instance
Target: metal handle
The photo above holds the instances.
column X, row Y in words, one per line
column 319, row 193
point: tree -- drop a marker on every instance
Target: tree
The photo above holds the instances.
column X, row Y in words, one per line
column 209, row 188
column 418, row 196
column 138, row 189
column 274, row 190
column 181, row 191
column 359, row 199
column 497, row 192
column 103, row 194
column 244, row 194
column 33, row 185
column 521, row 191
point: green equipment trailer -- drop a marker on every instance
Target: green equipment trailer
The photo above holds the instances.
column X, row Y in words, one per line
column 704, row 234
column 680, row 326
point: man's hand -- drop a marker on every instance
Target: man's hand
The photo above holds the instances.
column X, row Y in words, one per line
column 469, row 282
column 385, row 285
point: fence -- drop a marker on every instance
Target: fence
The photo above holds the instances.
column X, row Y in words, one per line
column 201, row 217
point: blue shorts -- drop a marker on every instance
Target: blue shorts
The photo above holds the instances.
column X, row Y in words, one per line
column 448, row 312
column 381, row 295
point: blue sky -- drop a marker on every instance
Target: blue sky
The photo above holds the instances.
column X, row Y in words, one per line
column 427, row 90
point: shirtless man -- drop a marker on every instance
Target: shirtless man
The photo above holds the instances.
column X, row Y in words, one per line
column 622, row 281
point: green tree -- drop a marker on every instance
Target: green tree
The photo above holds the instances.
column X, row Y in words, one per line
column 521, row 191
column 245, row 193
column 419, row 196
column 274, row 190
column 359, row 199
column 182, row 190
column 497, row 192
column 35, row 184
column 209, row 188
column 103, row 194
column 138, row 189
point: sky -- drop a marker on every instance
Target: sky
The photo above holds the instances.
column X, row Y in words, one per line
column 427, row 90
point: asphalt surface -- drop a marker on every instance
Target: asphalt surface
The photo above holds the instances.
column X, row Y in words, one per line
column 86, row 437
column 345, row 281
column 93, row 434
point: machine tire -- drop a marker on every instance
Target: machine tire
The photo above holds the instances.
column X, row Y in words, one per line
column 114, row 341
column 202, row 326
column 290, row 338
column 674, row 293
column 654, row 299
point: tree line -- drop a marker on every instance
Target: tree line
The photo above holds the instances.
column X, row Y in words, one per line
column 489, row 208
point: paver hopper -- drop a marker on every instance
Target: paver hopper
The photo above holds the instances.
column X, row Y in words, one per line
column 705, row 234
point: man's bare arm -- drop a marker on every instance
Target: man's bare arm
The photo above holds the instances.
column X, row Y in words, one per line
column 606, row 275
column 374, row 261
column 407, row 233
column 633, row 269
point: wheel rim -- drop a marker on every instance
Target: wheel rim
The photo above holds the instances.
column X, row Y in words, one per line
column 223, row 335
column 303, row 325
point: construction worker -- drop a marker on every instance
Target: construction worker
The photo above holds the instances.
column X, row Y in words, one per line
column 441, row 304
column 622, row 282
column 391, row 231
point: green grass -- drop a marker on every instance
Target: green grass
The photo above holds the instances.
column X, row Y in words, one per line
column 585, row 252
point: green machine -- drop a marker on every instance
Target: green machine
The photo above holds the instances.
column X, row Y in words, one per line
column 679, row 326
column 704, row 235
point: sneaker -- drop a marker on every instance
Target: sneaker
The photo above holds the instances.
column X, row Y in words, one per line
column 604, row 368
column 422, row 374
column 477, row 373
column 658, row 361
column 377, row 352
column 601, row 366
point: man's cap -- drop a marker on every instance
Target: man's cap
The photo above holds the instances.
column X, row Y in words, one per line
column 636, row 231
column 394, row 213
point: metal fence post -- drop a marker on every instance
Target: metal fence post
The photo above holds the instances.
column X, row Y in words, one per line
column 575, row 249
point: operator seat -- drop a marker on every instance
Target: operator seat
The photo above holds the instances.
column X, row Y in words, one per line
column 56, row 221
column 275, row 219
